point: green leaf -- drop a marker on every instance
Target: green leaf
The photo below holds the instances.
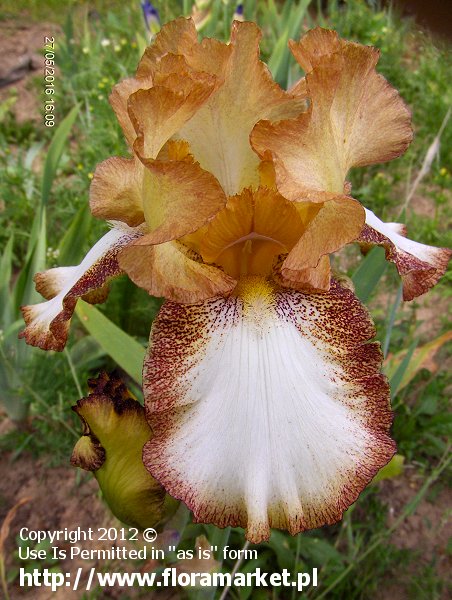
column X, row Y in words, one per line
column 122, row 348
column 279, row 543
column 392, row 469
column 422, row 358
column 36, row 253
column 54, row 153
column 396, row 379
column 5, row 278
column 320, row 551
column 369, row 273
column 73, row 241
column 25, row 292
column 279, row 60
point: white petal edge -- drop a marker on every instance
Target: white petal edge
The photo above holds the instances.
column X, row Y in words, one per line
column 47, row 323
column 419, row 265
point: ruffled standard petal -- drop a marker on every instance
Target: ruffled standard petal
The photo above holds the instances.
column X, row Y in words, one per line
column 179, row 197
column 179, row 37
column 219, row 132
column 47, row 323
column 420, row 266
column 159, row 112
column 119, row 98
column 268, row 408
column 172, row 271
column 175, row 196
column 355, row 118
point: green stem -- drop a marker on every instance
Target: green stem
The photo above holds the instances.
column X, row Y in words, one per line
column 295, row 566
column 73, row 372
column 237, row 566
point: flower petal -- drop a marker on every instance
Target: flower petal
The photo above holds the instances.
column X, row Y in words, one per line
column 314, row 45
column 247, row 235
column 355, row 118
column 219, row 132
column 268, row 409
column 178, row 198
column 115, row 430
column 170, row 270
column 119, row 98
column 47, row 323
column 116, row 191
column 420, row 266
column 179, row 37
column 338, row 222
column 159, row 112
column 315, row 279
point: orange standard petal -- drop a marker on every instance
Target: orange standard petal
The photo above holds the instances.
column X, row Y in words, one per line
column 116, row 191
column 355, row 118
column 178, row 197
column 119, row 98
column 161, row 111
column 219, row 131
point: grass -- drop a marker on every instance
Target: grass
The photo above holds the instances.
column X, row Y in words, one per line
column 416, row 65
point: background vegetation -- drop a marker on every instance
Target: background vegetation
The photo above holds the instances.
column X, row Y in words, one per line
column 45, row 221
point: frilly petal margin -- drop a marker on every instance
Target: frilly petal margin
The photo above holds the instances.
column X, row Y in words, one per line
column 355, row 119
column 420, row 266
column 47, row 323
column 268, row 408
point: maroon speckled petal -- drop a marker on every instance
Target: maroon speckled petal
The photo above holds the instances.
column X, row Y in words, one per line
column 47, row 323
column 268, row 408
column 419, row 266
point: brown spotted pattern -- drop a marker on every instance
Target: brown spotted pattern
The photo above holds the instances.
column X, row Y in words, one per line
column 335, row 328
column 47, row 323
column 418, row 276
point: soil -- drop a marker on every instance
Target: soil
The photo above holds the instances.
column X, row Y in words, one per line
column 21, row 49
column 426, row 533
column 59, row 498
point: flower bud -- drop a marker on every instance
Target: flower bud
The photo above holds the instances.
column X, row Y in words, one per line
column 114, row 432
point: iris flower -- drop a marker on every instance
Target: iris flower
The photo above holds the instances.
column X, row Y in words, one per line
column 262, row 387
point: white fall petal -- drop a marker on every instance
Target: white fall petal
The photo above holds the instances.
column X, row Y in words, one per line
column 268, row 408
column 419, row 265
column 47, row 323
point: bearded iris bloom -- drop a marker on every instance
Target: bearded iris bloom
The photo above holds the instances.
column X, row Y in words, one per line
column 262, row 387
